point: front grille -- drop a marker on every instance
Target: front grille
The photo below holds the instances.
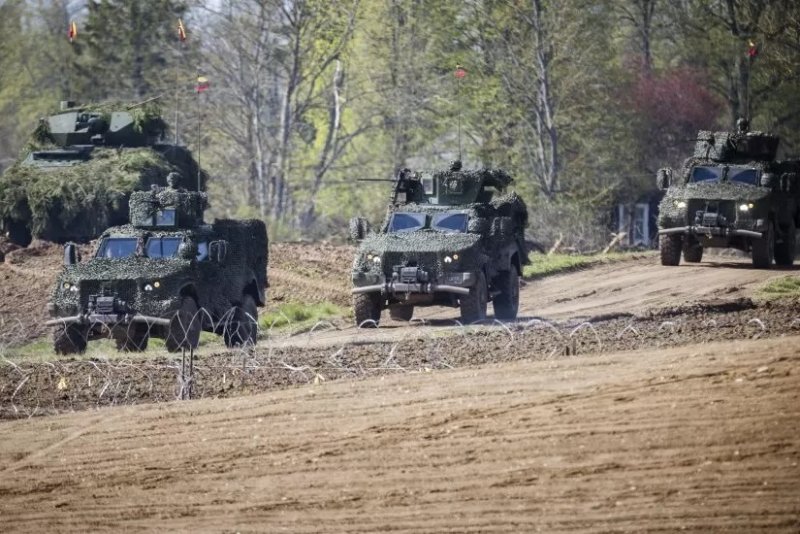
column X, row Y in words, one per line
column 712, row 212
column 123, row 290
column 427, row 261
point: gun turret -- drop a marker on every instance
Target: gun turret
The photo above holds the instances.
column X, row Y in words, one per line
column 168, row 207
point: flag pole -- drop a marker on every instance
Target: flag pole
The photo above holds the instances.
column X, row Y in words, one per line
column 181, row 40
column 460, row 73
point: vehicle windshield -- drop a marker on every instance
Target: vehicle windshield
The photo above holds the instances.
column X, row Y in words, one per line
column 162, row 247
column 450, row 222
column 117, row 247
column 706, row 174
column 744, row 176
column 406, row 222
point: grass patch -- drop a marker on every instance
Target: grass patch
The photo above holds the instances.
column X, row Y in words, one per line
column 296, row 315
column 41, row 350
column 543, row 265
column 785, row 286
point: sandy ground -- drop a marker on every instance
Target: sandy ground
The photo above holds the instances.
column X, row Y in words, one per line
column 695, row 439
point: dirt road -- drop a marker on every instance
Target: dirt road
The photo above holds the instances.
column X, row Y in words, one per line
column 632, row 287
column 692, row 439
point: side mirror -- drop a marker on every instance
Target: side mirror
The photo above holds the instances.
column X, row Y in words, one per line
column 70, row 254
column 767, row 179
column 187, row 250
column 218, row 250
column 359, row 228
column 664, row 178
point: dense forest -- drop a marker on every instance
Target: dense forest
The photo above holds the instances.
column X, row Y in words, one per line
column 582, row 101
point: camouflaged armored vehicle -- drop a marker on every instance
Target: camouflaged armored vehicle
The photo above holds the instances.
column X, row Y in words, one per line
column 166, row 275
column 731, row 193
column 450, row 238
column 80, row 167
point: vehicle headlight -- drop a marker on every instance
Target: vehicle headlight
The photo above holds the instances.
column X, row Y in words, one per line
column 376, row 260
column 448, row 259
column 156, row 284
column 455, row 257
column 680, row 204
column 73, row 288
column 148, row 287
column 745, row 207
column 66, row 285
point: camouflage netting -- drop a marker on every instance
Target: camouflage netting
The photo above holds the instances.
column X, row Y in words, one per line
column 62, row 193
column 731, row 146
column 189, row 206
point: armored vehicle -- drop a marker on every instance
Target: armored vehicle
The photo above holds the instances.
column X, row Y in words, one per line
column 80, row 167
column 732, row 192
column 450, row 238
column 166, row 275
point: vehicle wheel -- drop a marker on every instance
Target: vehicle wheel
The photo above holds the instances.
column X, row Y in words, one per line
column 692, row 252
column 784, row 251
column 70, row 339
column 367, row 307
column 132, row 339
column 669, row 245
column 242, row 329
column 764, row 249
column 401, row 313
column 184, row 327
column 506, row 304
column 473, row 306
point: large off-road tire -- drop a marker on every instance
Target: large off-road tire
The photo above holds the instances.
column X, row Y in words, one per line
column 692, row 252
column 506, row 303
column 367, row 307
column 764, row 249
column 785, row 250
column 401, row 313
column 473, row 306
column 242, row 329
column 184, row 328
column 132, row 339
column 70, row 339
column 669, row 245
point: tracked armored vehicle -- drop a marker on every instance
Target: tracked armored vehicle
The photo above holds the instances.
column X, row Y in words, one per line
column 166, row 275
column 732, row 192
column 450, row 238
column 80, row 168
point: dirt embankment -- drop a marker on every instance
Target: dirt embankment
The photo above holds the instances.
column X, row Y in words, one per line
column 701, row 438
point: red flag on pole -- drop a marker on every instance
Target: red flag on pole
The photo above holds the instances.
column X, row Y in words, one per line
column 72, row 32
column 460, row 72
column 181, row 30
column 202, row 84
column 752, row 49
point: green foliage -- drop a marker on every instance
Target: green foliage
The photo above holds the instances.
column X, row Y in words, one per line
column 785, row 286
column 54, row 198
column 543, row 265
column 298, row 316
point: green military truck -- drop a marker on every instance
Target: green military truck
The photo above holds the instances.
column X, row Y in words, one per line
column 166, row 275
column 450, row 238
column 732, row 192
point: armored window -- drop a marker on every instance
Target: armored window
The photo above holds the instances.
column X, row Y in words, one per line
column 450, row 222
column 117, row 247
column 163, row 247
column 406, row 222
column 428, row 184
column 165, row 217
column 706, row 174
column 202, row 251
column 744, row 176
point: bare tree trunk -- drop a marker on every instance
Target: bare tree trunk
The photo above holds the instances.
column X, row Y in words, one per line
column 547, row 133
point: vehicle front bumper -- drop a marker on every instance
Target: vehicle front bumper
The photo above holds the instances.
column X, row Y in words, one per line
column 712, row 231
column 108, row 319
column 455, row 283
